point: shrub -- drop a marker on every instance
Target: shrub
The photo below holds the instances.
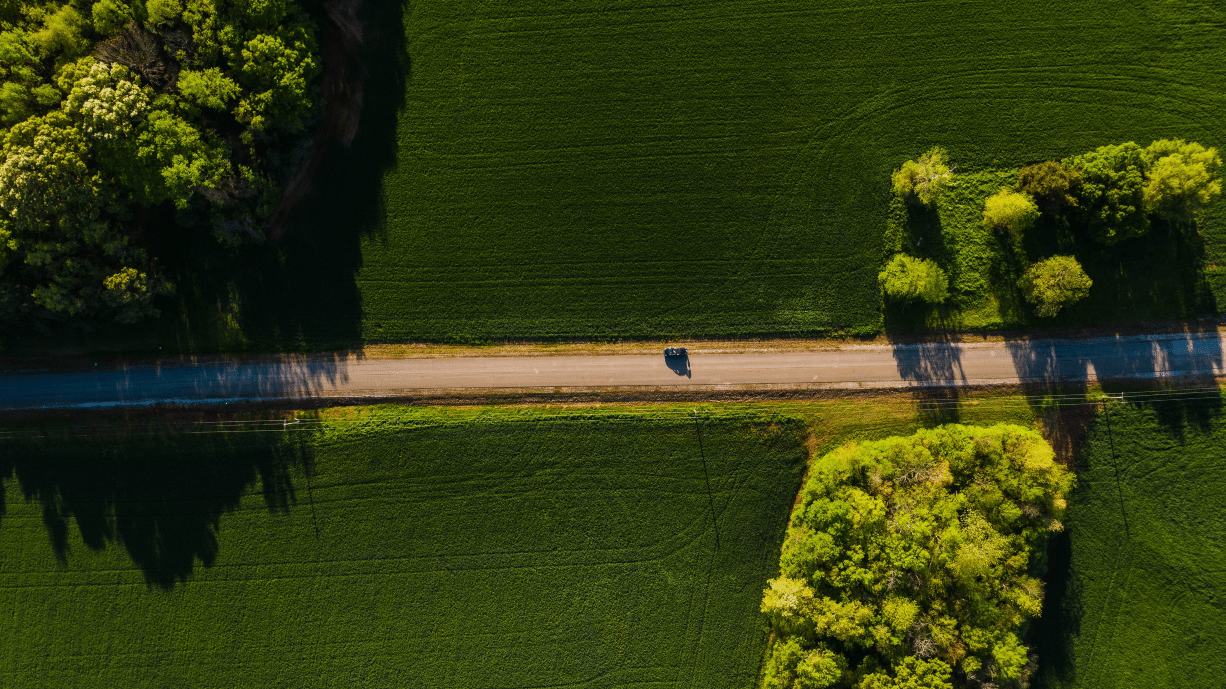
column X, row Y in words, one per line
column 923, row 179
column 1182, row 177
column 1010, row 212
column 1051, row 183
column 1111, row 193
column 1054, row 283
column 906, row 278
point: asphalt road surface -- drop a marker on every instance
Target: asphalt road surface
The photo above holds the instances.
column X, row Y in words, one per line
column 988, row 363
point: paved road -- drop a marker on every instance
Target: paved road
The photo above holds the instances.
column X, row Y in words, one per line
column 853, row 366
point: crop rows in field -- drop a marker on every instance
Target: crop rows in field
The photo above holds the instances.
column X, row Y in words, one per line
column 609, row 169
column 548, row 553
column 1134, row 592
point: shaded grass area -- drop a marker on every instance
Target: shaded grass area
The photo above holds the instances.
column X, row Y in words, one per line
column 426, row 549
column 1135, row 594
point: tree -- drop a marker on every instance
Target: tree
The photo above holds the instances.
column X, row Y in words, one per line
column 914, row 558
column 1051, row 183
column 1010, row 212
column 924, row 179
column 1182, row 178
column 1054, row 283
column 907, row 278
column 1111, row 194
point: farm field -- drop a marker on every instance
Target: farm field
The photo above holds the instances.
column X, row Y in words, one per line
column 426, row 550
column 612, row 169
column 1136, row 596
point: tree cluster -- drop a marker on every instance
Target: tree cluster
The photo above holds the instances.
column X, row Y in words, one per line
column 109, row 107
column 1112, row 192
column 911, row 562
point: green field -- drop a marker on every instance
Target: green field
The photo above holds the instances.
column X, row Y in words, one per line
column 606, row 169
column 493, row 551
column 1135, row 598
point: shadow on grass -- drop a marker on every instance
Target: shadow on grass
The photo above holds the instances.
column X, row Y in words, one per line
column 299, row 292
column 1053, row 633
column 161, row 499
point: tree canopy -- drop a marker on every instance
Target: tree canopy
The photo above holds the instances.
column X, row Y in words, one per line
column 1111, row 194
column 907, row 278
column 1182, row 177
column 198, row 105
column 1010, row 212
column 909, row 562
column 1055, row 282
column 1050, row 183
column 923, row 179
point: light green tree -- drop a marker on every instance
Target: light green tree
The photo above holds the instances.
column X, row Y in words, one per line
column 923, row 179
column 1053, row 283
column 907, row 278
column 1183, row 177
column 208, row 88
column 1010, row 212
column 924, row 564
column 110, row 16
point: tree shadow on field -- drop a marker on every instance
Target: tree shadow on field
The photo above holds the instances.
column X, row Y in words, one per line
column 159, row 498
column 299, row 290
column 1053, row 633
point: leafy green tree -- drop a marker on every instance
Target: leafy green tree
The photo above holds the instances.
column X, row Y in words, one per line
column 1053, row 283
column 1111, row 194
column 208, row 88
column 1010, row 212
column 913, row 555
column 110, row 16
column 911, row 673
column 923, row 179
column 907, row 278
column 1050, row 183
column 62, row 34
column 1183, row 177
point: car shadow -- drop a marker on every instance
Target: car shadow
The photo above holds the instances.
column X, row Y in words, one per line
column 679, row 365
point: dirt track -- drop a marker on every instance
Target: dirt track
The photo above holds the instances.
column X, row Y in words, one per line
column 866, row 366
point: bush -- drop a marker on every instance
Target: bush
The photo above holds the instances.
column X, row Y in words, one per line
column 906, row 278
column 1052, row 184
column 1111, row 193
column 1182, row 178
column 914, row 554
column 923, row 179
column 1054, row 283
column 1010, row 212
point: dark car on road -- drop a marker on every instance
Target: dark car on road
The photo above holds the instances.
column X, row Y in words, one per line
column 674, row 352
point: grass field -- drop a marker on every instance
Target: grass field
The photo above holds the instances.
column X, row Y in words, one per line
column 453, row 553
column 1136, row 598
column 721, row 168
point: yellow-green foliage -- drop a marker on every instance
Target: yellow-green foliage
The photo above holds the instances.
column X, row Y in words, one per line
column 1010, row 212
column 907, row 278
column 1183, row 177
column 924, row 179
column 1053, row 283
column 97, row 100
column 914, row 554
